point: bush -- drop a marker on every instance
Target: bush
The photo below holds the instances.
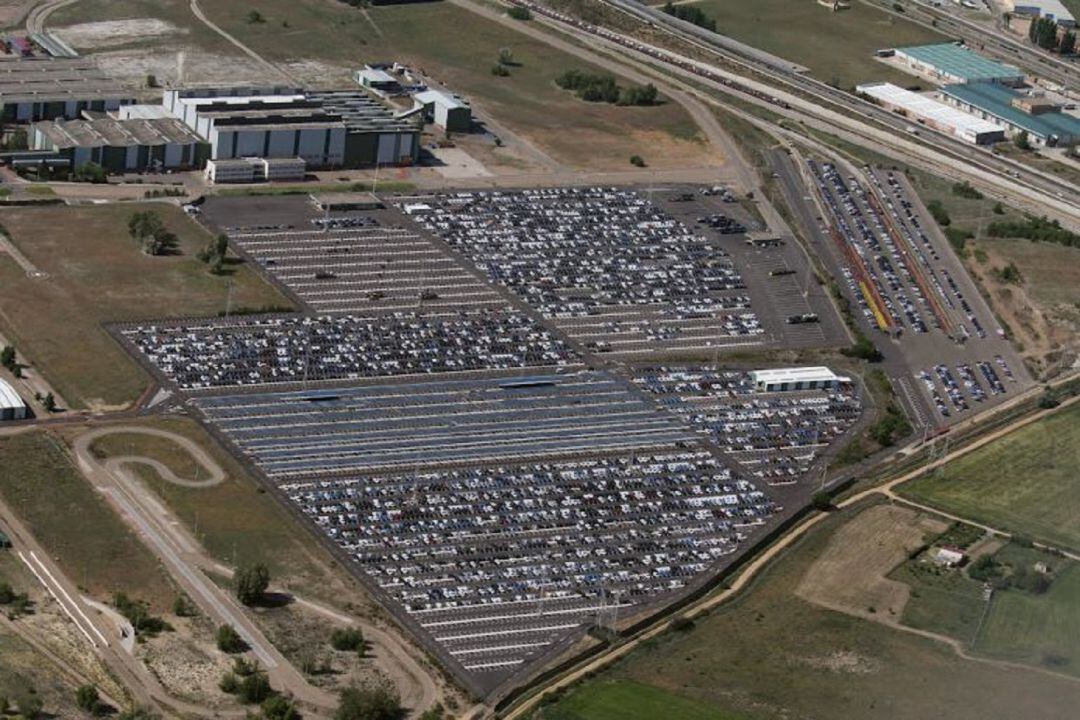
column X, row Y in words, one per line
column 379, row 703
column 985, row 569
column 637, row 161
column 138, row 614
column 964, row 190
column 690, row 14
column 347, row 640
column 822, row 501
column 279, row 708
column 254, row 689
column 863, row 349
column 939, row 213
column 885, row 431
column 499, row 70
column 958, row 238
column 1036, row 229
column 90, row 172
column 88, row 700
column 519, row 13
column 681, row 624
column 1009, row 274
column 229, row 641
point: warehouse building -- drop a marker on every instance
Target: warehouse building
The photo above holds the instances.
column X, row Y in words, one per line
column 325, row 129
column 41, row 88
column 932, row 113
column 447, row 111
column 12, row 406
column 1052, row 9
column 1017, row 112
column 954, row 63
column 797, row 378
column 122, row 145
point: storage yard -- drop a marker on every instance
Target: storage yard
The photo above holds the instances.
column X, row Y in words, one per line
column 452, row 348
column 909, row 285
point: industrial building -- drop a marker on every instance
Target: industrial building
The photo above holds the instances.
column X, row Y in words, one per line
column 797, row 378
column 1030, row 112
column 43, row 88
column 932, row 113
column 325, row 129
column 122, row 145
column 376, row 79
column 954, row 63
column 447, row 111
column 12, row 406
column 1052, row 9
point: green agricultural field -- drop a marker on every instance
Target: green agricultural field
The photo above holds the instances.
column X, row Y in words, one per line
column 92, row 545
column 838, row 48
column 98, row 274
column 769, row 654
column 1037, row 629
column 625, row 700
column 1025, row 482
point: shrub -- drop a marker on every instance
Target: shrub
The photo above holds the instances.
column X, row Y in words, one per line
column 822, row 501
column 229, row 641
column 964, row 190
column 347, row 640
column 637, row 161
column 519, row 13
column 88, row 700
column 499, row 70
column 379, row 703
column 251, row 582
column 939, row 213
column 681, row 624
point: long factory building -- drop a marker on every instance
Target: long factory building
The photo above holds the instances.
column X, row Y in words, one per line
column 1018, row 112
column 44, row 88
column 130, row 145
column 326, row 129
column 930, row 112
column 954, row 63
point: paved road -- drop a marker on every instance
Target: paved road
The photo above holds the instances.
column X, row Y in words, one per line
column 754, row 567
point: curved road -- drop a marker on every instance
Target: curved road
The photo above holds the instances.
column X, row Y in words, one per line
column 185, row 559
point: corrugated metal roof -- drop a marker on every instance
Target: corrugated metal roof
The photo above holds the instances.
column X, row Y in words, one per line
column 816, row 373
column 9, row 398
column 960, row 62
column 996, row 100
column 928, row 108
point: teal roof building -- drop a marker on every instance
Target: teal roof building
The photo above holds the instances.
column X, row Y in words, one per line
column 1046, row 125
column 953, row 63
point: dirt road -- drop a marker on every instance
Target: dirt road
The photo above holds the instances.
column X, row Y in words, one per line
column 186, row 559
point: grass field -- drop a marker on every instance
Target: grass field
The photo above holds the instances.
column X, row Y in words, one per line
column 452, row 44
column 98, row 274
column 768, row 654
column 24, row 672
column 627, row 700
column 1025, row 482
column 261, row 532
column 1036, row 629
column 91, row 544
column 838, row 48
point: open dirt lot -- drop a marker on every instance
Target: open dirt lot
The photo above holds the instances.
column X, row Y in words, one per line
column 850, row 574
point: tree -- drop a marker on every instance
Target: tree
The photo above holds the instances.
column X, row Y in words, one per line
column 254, row 689
column 379, row 703
column 1068, row 43
column 519, row 13
column 229, row 641
column 251, row 583
column 49, row 402
column 637, row 161
column 506, row 56
column 90, row 172
column 255, row 17
column 221, row 245
column 7, row 357
column 150, row 231
column 88, row 700
column 1022, row 140
column 151, row 81
column 822, row 501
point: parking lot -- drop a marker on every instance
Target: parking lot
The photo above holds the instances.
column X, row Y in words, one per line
column 911, row 292
column 771, row 437
column 617, row 271
column 262, row 350
column 439, row 422
column 497, row 564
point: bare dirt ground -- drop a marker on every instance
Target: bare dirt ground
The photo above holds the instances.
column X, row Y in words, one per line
column 187, row 663
column 850, row 574
column 112, row 33
column 1045, row 326
column 11, row 11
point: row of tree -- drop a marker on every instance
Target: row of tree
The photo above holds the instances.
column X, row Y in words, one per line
column 603, row 88
column 147, row 228
column 1044, row 33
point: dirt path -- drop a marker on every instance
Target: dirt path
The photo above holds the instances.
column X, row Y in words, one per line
column 755, row 566
column 35, row 21
column 198, row 13
column 149, row 516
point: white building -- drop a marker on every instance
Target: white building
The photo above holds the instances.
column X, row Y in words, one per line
column 255, row 169
column 12, row 406
column 934, row 114
column 325, row 129
column 797, row 378
column 1052, row 9
column 445, row 110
